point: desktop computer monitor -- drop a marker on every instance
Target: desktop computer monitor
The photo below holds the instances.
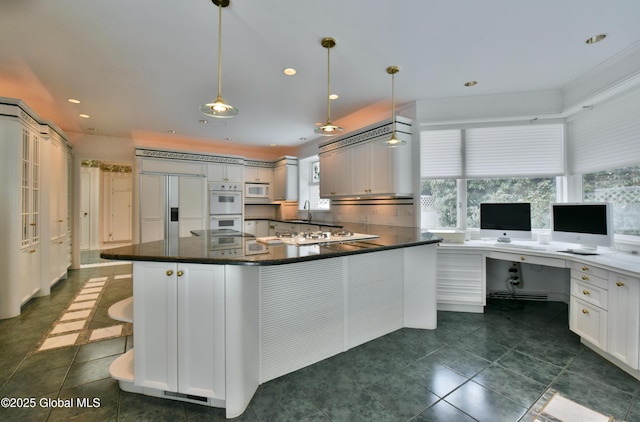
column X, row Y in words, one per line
column 588, row 224
column 505, row 220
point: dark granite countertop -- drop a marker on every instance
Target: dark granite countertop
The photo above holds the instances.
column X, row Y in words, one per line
column 300, row 221
column 236, row 250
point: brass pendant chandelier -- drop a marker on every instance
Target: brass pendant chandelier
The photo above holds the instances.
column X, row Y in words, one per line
column 219, row 108
column 393, row 141
column 328, row 129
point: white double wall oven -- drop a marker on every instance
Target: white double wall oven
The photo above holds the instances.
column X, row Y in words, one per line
column 225, row 206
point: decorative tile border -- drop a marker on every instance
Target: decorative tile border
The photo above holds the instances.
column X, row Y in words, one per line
column 71, row 328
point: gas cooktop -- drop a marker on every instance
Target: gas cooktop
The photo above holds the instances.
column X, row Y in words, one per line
column 312, row 238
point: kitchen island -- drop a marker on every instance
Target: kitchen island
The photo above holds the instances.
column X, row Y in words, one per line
column 216, row 316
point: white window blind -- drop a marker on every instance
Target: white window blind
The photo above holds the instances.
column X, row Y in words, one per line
column 492, row 152
column 515, row 151
column 441, row 154
column 606, row 137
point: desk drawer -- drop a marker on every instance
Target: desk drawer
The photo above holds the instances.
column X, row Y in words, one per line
column 589, row 293
column 529, row 259
column 601, row 282
column 589, row 270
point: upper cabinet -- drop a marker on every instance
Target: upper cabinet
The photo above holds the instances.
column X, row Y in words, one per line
column 358, row 164
column 253, row 174
column 285, row 179
column 228, row 173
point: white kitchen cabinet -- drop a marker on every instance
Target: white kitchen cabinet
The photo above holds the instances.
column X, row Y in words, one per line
column 30, row 272
column 335, row 173
column 371, row 168
column 228, row 173
column 278, row 227
column 258, row 174
column 179, row 329
column 33, row 198
column 461, row 281
column 258, row 228
column 623, row 329
column 57, row 190
column 285, row 180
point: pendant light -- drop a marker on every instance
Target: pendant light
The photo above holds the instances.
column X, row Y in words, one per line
column 328, row 129
column 393, row 141
column 219, row 108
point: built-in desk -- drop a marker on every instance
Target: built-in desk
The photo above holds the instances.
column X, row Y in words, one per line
column 604, row 303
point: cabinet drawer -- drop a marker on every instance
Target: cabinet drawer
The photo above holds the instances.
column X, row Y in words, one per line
column 601, row 282
column 589, row 293
column 528, row 259
column 589, row 322
column 589, row 270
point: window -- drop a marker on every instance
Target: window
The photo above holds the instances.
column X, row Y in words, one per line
column 621, row 187
column 310, row 185
column 461, row 168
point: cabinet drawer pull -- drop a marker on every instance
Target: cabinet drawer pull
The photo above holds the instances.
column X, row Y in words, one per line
column 33, row 224
column 522, row 258
column 169, row 272
column 585, row 268
column 584, row 277
column 180, row 273
column 32, row 251
column 586, row 292
column 585, row 311
column 619, row 283
column 60, row 221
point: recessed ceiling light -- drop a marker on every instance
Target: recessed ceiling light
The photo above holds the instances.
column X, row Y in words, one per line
column 596, row 38
column 272, row 145
column 171, row 131
column 203, row 121
column 289, row 71
column 303, row 139
column 92, row 129
column 227, row 139
column 333, row 96
column 84, row 116
column 73, row 100
column 471, row 83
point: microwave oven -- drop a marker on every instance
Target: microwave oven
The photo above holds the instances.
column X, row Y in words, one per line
column 257, row 190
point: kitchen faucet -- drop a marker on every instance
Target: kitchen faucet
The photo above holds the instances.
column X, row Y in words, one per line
column 307, row 204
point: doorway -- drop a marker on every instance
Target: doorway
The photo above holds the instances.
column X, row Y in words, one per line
column 105, row 209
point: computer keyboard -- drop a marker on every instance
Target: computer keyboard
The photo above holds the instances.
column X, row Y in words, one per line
column 519, row 246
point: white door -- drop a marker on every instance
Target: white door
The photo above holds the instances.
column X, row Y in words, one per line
column 120, row 208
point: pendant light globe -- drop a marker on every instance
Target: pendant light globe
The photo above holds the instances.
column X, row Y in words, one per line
column 393, row 142
column 219, row 108
column 328, row 129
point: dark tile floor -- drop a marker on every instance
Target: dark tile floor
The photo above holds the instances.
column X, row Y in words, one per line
column 485, row 367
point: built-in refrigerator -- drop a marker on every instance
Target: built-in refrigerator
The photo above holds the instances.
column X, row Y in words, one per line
column 171, row 206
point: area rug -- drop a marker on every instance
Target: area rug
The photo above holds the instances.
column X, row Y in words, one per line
column 84, row 320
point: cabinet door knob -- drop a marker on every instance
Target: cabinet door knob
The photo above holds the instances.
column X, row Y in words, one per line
column 585, row 268
column 522, row 258
column 169, row 272
column 584, row 277
column 619, row 283
column 585, row 311
column 586, row 292
column 180, row 273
